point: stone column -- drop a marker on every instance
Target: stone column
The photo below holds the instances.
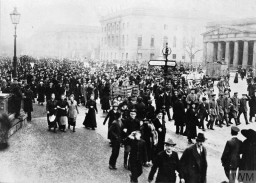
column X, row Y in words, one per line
column 245, row 55
column 219, row 52
column 254, row 55
column 227, row 53
column 235, row 61
column 205, row 53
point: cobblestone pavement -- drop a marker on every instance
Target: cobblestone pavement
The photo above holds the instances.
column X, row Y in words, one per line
column 37, row 155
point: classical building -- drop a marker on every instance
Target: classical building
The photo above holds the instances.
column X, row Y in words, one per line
column 233, row 42
column 72, row 41
column 139, row 34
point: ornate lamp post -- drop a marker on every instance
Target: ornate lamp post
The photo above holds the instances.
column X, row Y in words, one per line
column 15, row 17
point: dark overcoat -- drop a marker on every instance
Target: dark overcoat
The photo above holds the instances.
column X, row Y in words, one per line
column 179, row 114
column 191, row 123
column 90, row 118
column 166, row 165
column 28, row 101
column 193, row 165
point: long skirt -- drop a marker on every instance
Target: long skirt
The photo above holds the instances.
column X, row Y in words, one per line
column 51, row 124
column 72, row 121
column 90, row 119
column 62, row 122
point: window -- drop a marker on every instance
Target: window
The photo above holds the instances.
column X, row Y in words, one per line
column 173, row 56
column 140, row 41
column 123, row 40
column 152, row 56
column 139, row 55
column 126, row 40
column 126, row 56
column 152, row 42
column 174, row 42
column 165, row 27
column 165, row 40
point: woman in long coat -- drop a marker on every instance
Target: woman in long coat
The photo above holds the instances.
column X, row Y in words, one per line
column 236, row 78
column 41, row 93
column 51, row 109
column 191, row 123
column 72, row 112
column 90, row 118
column 62, row 106
column 28, row 102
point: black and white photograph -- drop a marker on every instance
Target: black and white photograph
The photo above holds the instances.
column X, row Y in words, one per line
column 127, row 91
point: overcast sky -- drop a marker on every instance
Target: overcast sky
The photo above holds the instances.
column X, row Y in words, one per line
column 37, row 13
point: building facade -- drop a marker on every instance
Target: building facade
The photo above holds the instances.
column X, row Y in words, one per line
column 232, row 42
column 65, row 41
column 140, row 35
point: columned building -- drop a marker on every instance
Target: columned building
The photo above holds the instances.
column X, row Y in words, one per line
column 140, row 34
column 231, row 42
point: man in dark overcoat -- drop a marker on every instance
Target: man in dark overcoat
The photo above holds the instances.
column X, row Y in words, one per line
column 230, row 157
column 193, row 162
column 179, row 115
column 28, row 101
column 203, row 111
column 167, row 162
column 243, row 108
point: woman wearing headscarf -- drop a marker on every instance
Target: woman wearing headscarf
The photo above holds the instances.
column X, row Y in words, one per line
column 72, row 112
column 90, row 118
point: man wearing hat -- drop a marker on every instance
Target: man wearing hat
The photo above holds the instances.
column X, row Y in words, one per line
column 212, row 112
column 234, row 108
column 193, row 162
column 220, row 103
column 167, row 162
column 203, row 111
column 230, row 157
column 243, row 108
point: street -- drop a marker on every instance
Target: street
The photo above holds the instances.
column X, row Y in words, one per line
column 37, row 155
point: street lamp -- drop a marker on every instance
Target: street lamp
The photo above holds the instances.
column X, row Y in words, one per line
column 15, row 17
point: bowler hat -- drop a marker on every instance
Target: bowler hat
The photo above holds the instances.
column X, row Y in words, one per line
column 170, row 142
column 200, row 137
column 235, row 129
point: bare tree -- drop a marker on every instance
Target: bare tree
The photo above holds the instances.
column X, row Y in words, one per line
column 191, row 49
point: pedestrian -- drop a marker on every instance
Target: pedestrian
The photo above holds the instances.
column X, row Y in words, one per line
column 248, row 152
column 213, row 112
column 51, row 108
column 179, row 114
column 234, row 108
column 130, row 125
column 41, row 93
column 90, row 118
column 150, row 136
column 231, row 155
column 150, row 110
column 5, row 126
column 226, row 107
column 72, row 112
column 191, row 123
column 115, row 135
column 220, row 112
column 28, row 101
column 252, row 105
column 112, row 116
column 138, row 155
column 62, row 107
column 243, row 108
column 167, row 163
column 203, row 111
column 159, row 124
column 236, row 78
column 193, row 162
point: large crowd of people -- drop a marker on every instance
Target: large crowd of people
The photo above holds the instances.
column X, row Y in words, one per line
column 136, row 122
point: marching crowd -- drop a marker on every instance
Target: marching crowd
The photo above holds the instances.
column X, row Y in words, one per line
column 138, row 122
